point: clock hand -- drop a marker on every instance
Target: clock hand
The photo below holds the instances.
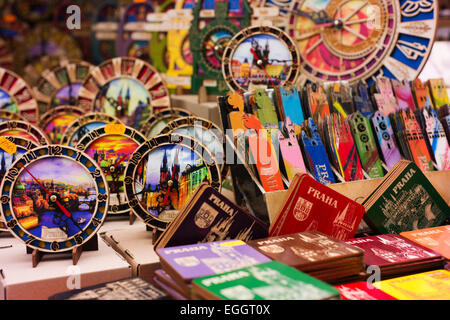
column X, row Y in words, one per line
column 111, row 169
column 166, row 197
column 260, row 63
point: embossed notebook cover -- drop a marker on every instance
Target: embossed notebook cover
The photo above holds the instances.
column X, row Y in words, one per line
column 267, row 281
column 314, row 206
column 211, row 217
column 432, row 285
column 436, row 239
column 304, row 250
column 199, row 260
column 390, row 249
column 409, row 202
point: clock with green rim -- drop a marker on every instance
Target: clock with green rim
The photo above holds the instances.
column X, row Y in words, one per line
column 54, row 198
column 208, row 39
column 352, row 40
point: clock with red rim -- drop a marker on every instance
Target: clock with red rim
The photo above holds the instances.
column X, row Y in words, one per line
column 262, row 57
column 352, row 40
column 127, row 88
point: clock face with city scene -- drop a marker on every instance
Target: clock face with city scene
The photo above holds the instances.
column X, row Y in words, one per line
column 352, row 40
column 55, row 122
column 127, row 88
column 54, row 198
column 158, row 121
column 260, row 56
column 163, row 173
column 7, row 158
column 112, row 152
column 18, row 128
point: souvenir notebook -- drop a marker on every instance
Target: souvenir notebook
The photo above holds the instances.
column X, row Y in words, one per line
column 210, row 216
column 362, row 290
column 314, row 253
column 310, row 205
column 432, row 285
column 267, row 281
column 405, row 200
column 184, row 263
column 125, row 289
column 436, row 239
column 395, row 255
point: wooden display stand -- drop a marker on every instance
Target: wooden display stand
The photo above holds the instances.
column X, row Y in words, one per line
column 90, row 245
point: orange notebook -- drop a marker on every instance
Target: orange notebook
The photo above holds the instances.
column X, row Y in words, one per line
column 436, row 239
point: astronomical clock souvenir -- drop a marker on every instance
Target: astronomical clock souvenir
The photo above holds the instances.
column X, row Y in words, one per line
column 132, row 37
column 104, row 31
column 178, row 48
column 214, row 24
column 33, row 11
column 11, row 149
column 45, row 47
column 55, row 121
column 260, row 57
column 356, row 40
column 60, row 85
column 54, row 198
column 163, row 173
column 158, row 40
column 81, row 126
column 17, row 96
column 202, row 130
column 128, row 88
column 6, row 115
column 284, row 9
column 111, row 147
column 17, row 128
column 158, row 121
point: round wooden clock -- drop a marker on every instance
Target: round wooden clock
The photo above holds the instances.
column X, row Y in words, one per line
column 60, row 85
column 128, row 88
column 9, row 156
column 356, row 40
column 260, row 56
column 54, row 198
column 163, row 173
column 55, row 121
column 158, row 121
column 77, row 129
column 17, row 96
column 18, row 128
column 111, row 147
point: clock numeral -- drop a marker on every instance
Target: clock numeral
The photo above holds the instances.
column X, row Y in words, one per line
column 102, row 197
column 11, row 125
column 412, row 8
column 412, row 50
column 12, row 174
column 135, row 158
column 28, row 157
column 93, row 134
column 96, row 222
column 4, row 199
column 30, row 239
column 54, row 150
column 96, row 173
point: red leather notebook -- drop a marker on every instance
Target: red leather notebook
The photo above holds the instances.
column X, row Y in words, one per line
column 314, row 206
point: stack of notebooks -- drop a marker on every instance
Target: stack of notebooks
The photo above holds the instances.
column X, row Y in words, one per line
column 396, row 256
column 267, row 281
column 432, row 285
column 210, row 216
column 404, row 201
column 436, row 239
column 316, row 254
column 310, row 205
column 182, row 264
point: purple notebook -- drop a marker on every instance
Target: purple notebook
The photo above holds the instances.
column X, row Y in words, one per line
column 200, row 260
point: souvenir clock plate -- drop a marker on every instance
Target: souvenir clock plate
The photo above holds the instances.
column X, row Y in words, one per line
column 17, row 96
column 260, row 56
column 361, row 39
column 163, row 173
column 6, row 115
column 158, row 121
column 127, row 88
column 55, row 122
column 60, row 85
column 111, row 150
column 77, row 129
column 17, row 128
column 45, row 47
column 54, row 198
column 8, row 157
column 202, row 130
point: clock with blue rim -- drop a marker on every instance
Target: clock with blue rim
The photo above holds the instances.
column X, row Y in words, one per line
column 352, row 40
